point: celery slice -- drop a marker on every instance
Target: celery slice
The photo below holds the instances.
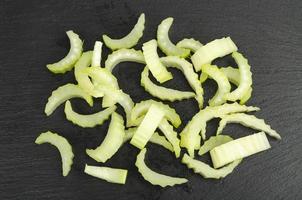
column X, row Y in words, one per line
column 191, row 44
column 213, row 142
column 63, row 93
column 212, row 50
column 67, row 63
column 91, row 120
column 62, row 145
column 111, row 175
column 249, row 121
column 238, row 149
column 203, row 77
column 97, row 54
column 153, row 177
column 112, row 142
column 164, row 41
column 157, row 69
column 129, row 40
column 124, row 55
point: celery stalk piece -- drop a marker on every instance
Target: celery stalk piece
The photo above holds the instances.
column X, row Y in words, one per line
column 97, row 54
column 203, row 77
column 213, row 142
column 190, row 44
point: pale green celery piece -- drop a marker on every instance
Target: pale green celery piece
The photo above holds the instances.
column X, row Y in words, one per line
column 206, row 170
column 112, row 142
column 249, row 121
column 246, row 96
column 124, row 55
column 153, row 177
column 147, row 127
column 62, row 94
column 224, row 86
column 67, row 63
column 239, row 148
column 190, row 135
column 87, row 121
column 164, row 41
column 129, row 40
column 203, row 77
column 97, row 54
column 140, row 109
column 157, row 69
column 212, row 50
column 213, row 142
column 62, row 145
column 111, row 175
column 189, row 43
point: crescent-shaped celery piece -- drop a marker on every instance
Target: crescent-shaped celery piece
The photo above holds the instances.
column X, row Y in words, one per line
column 212, row 50
column 62, row 145
column 112, row 142
column 111, row 175
column 87, row 121
column 206, row 170
column 239, row 148
column 191, row 44
column 157, row 69
column 97, row 54
column 129, row 40
column 141, row 108
column 164, row 41
column 249, row 121
column 213, row 142
column 153, row 177
column 147, row 127
column 190, row 134
column 124, row 55
column 203, row 77
column 62, row 94
column 224, row 86
column 67, row 63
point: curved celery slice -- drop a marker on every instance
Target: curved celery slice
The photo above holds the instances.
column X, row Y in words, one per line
column 67, row 63
column 97, row 54
column 62, row 145
column 238, row 149
column 191, row 44
column 190, row 135
column 164, row 41
column 212, row 50
column 224, row 86
column 141, row 108
column 213, row 142
column 207, row 171
column 63, row 93
column 153, row 177
column 129, row 40
column 112, row 142
column 203, row 77
column 157, row 69
column 123, row 55
column 249, row 121
column 87, row 120
column 109, row 174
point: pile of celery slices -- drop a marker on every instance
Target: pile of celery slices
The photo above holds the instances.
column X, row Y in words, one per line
column 153, row 121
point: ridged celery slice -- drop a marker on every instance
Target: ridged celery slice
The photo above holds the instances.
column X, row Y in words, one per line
column 153, row 177
column 90, row 120
column 129, row 40
column 164, row 41
column 212, row 50
column 97, row 54
column 109, row 174
column 63, row 93
column 157, row 69
column 213, row 142
column 124, row 55
column 249, row 121
column 62, row 145
column 67, row 63
column 112, row 142
column 238, row 149
column 147, row 127
column 189, row 43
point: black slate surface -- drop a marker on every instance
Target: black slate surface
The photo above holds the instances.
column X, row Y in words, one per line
column 32, row 34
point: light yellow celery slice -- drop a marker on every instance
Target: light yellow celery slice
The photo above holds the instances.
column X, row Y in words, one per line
column 213, row 142
column 203, row 77
column 191, row 44
column 97, row 54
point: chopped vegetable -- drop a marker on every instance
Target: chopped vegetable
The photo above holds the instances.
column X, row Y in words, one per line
column 67, row 63
column 153, row 177
column 112, row 142
column 164, row 41
column 213, row 142
column 203, row 77
column 238, row 149
column 63, row 93
column 62, row 145
column 109, row 174
column 191, row 44
column 97, row 54
column 129, row 40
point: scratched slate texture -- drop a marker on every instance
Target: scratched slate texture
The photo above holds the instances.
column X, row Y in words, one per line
column 32, row 34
